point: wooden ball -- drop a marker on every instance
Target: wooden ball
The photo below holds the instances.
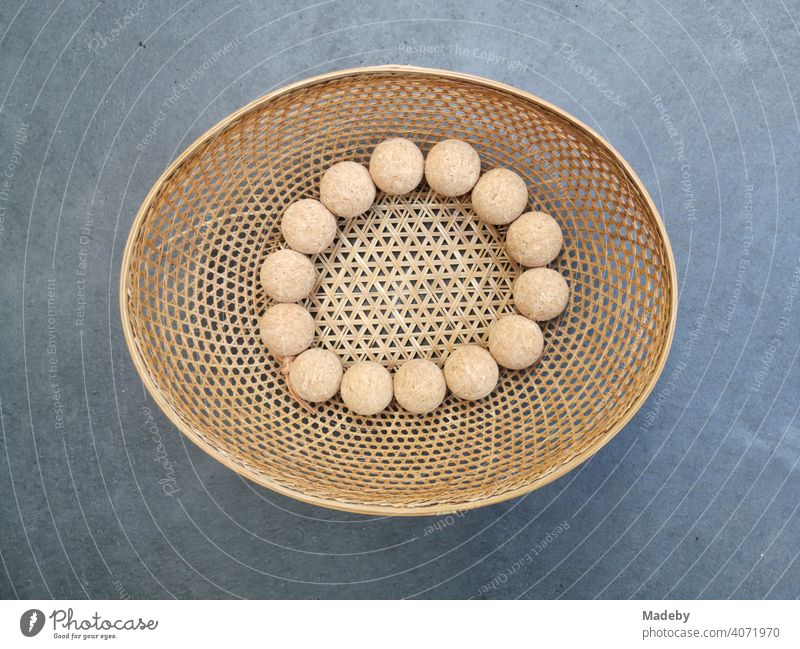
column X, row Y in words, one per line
column 396, row 166
column 499, row 197
column 419, row 386
column 287, row 276
column 515, row 341
column 471, row 372
column 315, row 375
column 308, row 226
column 366, row 388
column 540, row 293
column 534, row 239
column 346, row 189
column 452, row 167
column 286, row 329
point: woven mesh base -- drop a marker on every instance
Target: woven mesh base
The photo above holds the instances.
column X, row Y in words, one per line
column 414, row 277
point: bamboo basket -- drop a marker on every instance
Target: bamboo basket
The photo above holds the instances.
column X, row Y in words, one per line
column 414, row 277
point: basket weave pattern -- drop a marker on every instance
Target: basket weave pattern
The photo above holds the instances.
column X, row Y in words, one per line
column 414, row 277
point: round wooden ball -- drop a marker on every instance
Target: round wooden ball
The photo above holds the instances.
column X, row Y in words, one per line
column 286, row 329
column 419, row 386
column 534, row 239
column 346, row 189
column 366, row 388
column 515, row 341
column 540, row 293
column 471, row 372
column 452, row 167
column 287, row 276
column 315, row 375
column 499, row 197
column 308, row 226
column 396, row 166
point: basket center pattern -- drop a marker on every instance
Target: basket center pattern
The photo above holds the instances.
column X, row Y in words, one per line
column 414, row 277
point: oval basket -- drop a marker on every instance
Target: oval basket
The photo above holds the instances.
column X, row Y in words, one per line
column 413, row 277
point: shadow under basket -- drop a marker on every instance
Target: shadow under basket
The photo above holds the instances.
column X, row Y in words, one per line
column 414, row 277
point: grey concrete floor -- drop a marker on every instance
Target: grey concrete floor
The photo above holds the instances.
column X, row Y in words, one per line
column 697, row 497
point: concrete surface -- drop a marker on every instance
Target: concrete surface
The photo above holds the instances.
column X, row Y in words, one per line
column 697, row 497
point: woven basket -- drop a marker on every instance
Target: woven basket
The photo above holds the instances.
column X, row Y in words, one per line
column 414, row 277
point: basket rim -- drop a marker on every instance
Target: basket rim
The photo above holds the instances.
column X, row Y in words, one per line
column 389, row 510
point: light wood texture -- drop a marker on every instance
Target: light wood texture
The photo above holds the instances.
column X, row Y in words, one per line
column 413, row 277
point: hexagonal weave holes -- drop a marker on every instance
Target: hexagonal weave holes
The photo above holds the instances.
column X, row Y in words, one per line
column 413, row 277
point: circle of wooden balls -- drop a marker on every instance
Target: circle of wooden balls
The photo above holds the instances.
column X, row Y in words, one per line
column 347, row 189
